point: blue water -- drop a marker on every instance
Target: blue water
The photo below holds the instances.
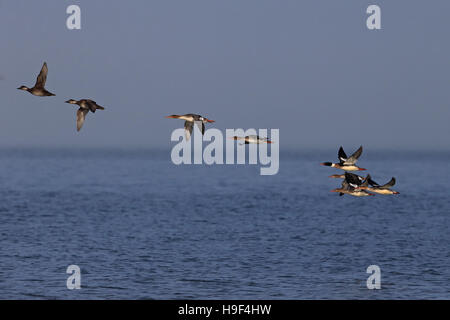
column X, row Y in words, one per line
column 140, row 227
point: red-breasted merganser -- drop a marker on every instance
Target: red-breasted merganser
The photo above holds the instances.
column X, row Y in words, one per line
column 190, row 119
column 346, row 163
column 39, row 87
column 86, row 105
column 372, row 186
column 252, row 139
column 350, row 186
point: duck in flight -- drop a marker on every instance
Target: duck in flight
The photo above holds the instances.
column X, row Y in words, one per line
column 350, row 186
column 39, row 87
column 252, row 139
column 372, row 186
column 190, row 119
column 346, row 163
column 86, row 105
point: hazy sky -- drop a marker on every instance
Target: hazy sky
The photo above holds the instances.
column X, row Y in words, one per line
column 309, row 68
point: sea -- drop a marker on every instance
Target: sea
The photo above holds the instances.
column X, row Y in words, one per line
column 140, row 227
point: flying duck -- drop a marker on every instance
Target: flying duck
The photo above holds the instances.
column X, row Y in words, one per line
column 190, row 118
column 372, row 186
column 346, row 163
column 252, row 139
column 86, row 105
column 39, row 87
column 350, row 186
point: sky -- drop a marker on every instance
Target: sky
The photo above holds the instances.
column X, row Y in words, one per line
column 309, row 68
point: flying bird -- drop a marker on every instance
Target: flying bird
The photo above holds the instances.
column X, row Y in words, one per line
column 190, row 119
column 346, row 163
column 350, row 186
column 39, row 87
column 86, row 105
column 252, row 139
column 372, row 186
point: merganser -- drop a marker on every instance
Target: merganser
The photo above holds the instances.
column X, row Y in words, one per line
column 346, row 163
column 376, row 188
column 39, row 87
column 190, row 118
column 350, row 186
column 86, row 105
column 252, row 139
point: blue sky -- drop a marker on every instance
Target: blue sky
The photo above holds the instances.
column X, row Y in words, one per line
column 309, row 68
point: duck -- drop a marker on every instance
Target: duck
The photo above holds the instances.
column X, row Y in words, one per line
column 86, row 105
column 252, row 139
column 350, row 186
column 39, row 87
column 190, row 119
column 374, row 187
column 346, row 163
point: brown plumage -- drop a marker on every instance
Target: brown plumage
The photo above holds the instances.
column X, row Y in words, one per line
column 39, row 87
column 86, row 105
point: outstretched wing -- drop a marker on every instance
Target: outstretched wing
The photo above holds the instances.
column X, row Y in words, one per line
column 354, row 157
column 352, row 179
column 201, row 126
column 389, row 184
column 188, row 126
column 342, row 155
column 42, row 77
column 81, row 115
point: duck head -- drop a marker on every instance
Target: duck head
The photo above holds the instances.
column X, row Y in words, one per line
column 71, row 101
column 328, row 164
column 24, row 88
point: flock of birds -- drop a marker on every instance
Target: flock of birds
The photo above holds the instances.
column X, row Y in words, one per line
column 87, row 105
column 354, row 184
column 39, row 90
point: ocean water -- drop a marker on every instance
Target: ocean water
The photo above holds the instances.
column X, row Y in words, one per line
column 140, row 227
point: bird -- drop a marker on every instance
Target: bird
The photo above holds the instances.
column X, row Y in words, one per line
column 372, row 186
column 39, row 87
column 346, row 163
column 190, row 118
column 350, row 186
column 252, row 139
column 86, row 105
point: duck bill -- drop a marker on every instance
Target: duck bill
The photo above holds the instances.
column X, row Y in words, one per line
column 210, row 121
column 268, row 141
column 335, row 190
column 172, row 117
column 361, row 169
column 395, row 192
